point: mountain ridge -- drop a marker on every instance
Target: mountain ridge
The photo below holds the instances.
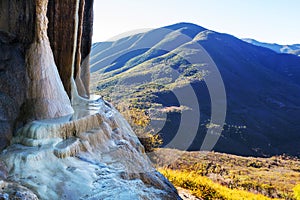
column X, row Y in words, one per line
column 249, row 73
column 279, row 48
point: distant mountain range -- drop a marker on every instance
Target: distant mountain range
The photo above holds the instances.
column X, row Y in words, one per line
column 291, row 49
column 262, row 86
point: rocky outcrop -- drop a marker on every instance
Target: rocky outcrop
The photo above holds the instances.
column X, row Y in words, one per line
column 62, row 33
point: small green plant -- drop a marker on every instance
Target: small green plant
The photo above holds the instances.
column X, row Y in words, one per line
column 150, row 141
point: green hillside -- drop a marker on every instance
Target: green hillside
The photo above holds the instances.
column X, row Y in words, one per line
column 164, row 73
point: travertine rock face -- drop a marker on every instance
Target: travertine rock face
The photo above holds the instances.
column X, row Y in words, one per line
column 70, row 39
column 62, row 33
column 93, row 155
column 86, row 43
column 17, row 25
column 18, row 19
column 10, row 190
column 46, row 97
column 17, row 35
column 12, row 85
column 58, row 154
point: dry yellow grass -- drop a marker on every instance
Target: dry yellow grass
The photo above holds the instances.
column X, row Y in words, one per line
column 203, row 187
column 273, row 177
column 297, row 191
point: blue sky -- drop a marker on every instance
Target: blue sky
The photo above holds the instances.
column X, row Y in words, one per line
column 275, row 21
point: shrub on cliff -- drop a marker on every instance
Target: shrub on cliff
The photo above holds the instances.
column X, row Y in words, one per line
column 139, row 120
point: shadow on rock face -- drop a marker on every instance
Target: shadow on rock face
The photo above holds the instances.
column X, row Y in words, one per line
column 12, row 85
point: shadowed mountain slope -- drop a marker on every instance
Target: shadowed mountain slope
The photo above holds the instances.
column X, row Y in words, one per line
column 262, row 87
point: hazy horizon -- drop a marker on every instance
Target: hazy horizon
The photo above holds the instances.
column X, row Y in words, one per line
column 271, row 21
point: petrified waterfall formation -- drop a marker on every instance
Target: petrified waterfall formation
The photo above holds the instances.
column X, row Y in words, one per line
column 46, row 97
column 72, row 44
column 55, row 150
column 29, row 86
